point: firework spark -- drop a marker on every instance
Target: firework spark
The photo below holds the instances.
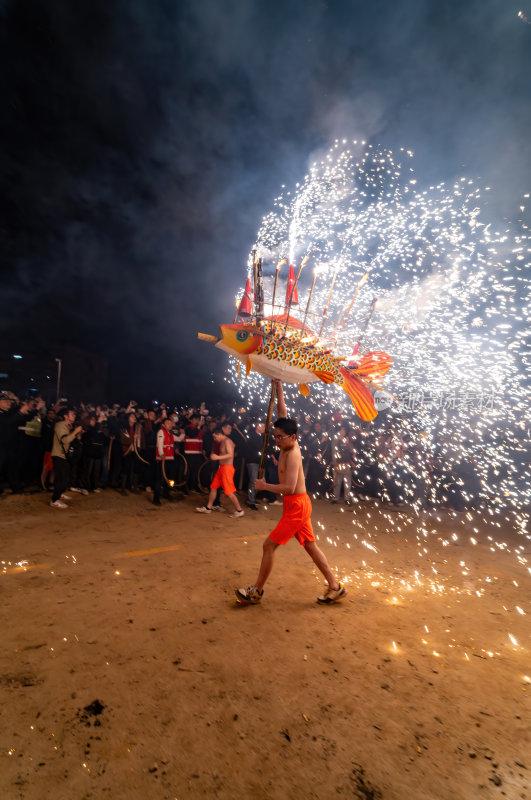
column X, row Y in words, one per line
column 447, row 293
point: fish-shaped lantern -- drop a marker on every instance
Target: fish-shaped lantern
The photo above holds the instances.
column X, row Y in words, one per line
column 282, row 347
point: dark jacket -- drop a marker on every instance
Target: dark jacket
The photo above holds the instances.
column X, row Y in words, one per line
column 9, row 424
column 126, row 440
column 93, row 440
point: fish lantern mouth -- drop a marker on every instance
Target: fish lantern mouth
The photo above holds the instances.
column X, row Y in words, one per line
column 207, row 337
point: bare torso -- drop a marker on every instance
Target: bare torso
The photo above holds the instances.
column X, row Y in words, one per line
column 226, row 449
column 292, row 458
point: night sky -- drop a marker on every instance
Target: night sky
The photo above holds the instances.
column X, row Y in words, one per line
column 142, row 142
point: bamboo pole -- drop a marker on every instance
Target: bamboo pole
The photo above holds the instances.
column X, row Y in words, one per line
column 325, row 310
column 280, row 263
column 308, row 303
column 342, row 321
column 259, row 293
column 267, row 431
column 349, row 309
column 365, row 325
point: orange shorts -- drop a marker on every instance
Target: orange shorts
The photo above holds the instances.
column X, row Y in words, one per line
column 296, row 520
column 224, row 477
column 47, row 462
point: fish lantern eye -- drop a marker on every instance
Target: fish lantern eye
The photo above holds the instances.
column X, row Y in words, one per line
column 242, row 336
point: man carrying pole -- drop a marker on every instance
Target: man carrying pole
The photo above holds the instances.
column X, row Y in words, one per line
column 296, row 516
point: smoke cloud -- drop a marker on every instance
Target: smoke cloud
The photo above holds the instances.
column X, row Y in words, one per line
column 143, row 142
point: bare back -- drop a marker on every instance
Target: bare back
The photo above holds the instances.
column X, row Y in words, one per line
column 290, row 466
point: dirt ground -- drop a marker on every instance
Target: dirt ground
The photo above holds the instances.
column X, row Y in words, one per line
column 127, row 670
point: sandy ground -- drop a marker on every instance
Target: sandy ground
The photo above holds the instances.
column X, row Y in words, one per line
column 127, row 671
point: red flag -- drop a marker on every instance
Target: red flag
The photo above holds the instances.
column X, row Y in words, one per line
column 291, row 287
column 245, row 309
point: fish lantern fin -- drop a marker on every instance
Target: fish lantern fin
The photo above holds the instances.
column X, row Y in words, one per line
column 304, row 389
column 248, row 366
column 360, row 396
column 324, row 376
column 374, row 365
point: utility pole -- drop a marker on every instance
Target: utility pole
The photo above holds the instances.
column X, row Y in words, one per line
column 59, row 365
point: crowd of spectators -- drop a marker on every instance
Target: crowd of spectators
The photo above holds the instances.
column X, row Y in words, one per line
column 165, row 452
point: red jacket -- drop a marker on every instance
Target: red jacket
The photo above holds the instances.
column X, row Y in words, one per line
column 165, row 442
column 193, row 440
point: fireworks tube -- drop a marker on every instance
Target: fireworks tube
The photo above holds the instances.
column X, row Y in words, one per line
column 325, row 310
column 303, row 262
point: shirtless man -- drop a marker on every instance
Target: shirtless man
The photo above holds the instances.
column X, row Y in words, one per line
column 296, row 516
column 224, row 477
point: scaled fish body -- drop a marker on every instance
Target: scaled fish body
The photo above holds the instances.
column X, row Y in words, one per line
column 288, row 359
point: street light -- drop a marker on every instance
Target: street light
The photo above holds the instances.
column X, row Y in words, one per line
column 59, row 364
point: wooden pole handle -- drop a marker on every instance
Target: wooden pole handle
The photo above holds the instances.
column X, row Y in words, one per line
column 267, row 431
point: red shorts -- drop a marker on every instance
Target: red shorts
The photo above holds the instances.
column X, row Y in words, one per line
column 47, row 462
column 224, row 477
column 296, row 520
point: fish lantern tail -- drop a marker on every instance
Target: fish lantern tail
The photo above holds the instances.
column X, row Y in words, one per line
column 373, row 365
column 360, row 396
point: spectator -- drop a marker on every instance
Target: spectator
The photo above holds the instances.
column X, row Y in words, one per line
column 13, row 420
column 63, row 437
column 103, row 422
column 75, row 454
column 29, row 442
column 341, row 452
column 114, row 424
column 48, row 425
column 132, row 440
column 165, row 457
column 252, row 452
column 9, row 418
column 151, row 427
column 93, row 440
column 193, row 448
